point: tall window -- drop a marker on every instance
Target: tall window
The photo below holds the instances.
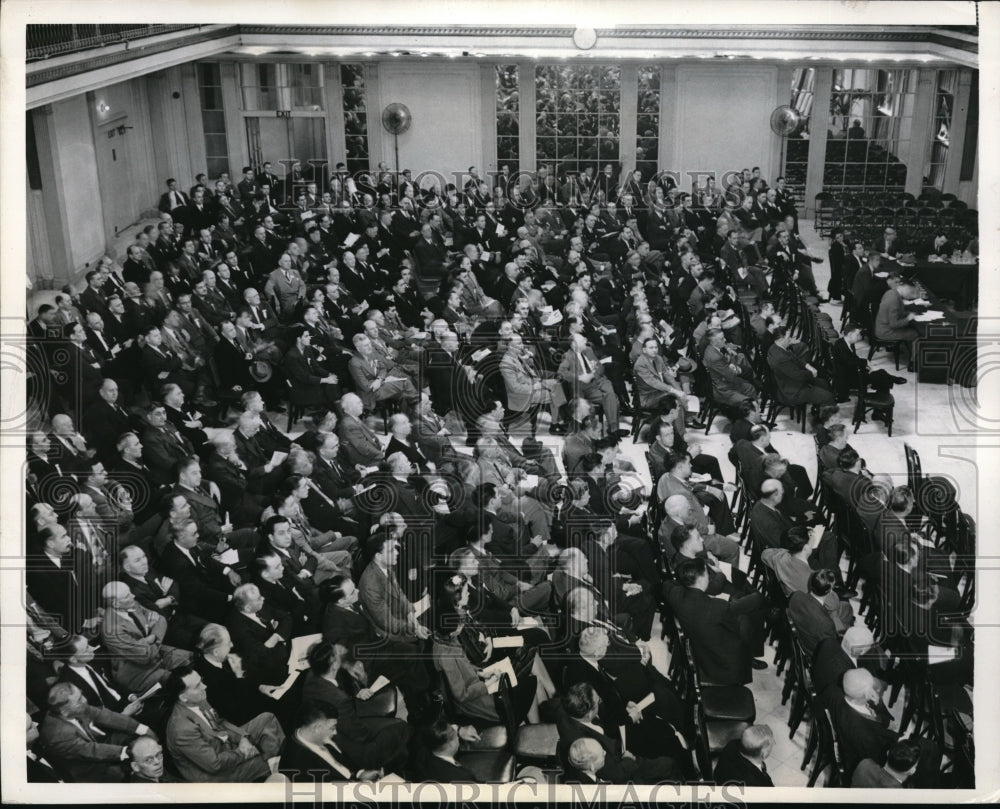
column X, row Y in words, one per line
column 937, row 149
column 352, row 80
column 260, row 86
column 797, row 143
column 870, row 121
column 578, row 116
column 213, row 119
column 305, row 81
column 647, row 146
column 508, row 126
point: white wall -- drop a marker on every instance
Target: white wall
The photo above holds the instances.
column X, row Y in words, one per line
column 445, row 100
column 77, row 181
column 721, row 119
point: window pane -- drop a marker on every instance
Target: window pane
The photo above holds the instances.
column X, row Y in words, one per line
column 352, row 80
column 578, row 113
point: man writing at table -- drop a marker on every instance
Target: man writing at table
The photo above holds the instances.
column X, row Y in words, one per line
column 893, row 323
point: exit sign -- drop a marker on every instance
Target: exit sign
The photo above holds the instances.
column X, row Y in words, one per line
column 284, row 113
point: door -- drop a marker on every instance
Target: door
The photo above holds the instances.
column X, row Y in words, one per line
column 115, row 178
column 281, row 141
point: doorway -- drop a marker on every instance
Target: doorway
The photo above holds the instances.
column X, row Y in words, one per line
column 281, row 141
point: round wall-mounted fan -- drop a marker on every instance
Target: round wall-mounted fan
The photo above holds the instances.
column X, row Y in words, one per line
column 396, row 119
column 785, row 120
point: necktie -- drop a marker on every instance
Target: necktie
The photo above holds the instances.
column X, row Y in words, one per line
column 584, row 362
column 135, row 619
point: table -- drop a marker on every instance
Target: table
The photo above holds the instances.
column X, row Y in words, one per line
column 956, row 282
column 947, row 348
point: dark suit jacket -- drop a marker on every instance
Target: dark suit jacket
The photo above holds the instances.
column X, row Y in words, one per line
column 69, row 594
column 860, row 736
column 204, row 590
column 299, row 763
column 99, row 697
column 431, row 768
column 847, row 366
column 571, row 729
column 102, row 425
column 733, row 768
column 711, row 624
column 811, row 619
column 791, row 377
column 262, row 665
column 235, row 699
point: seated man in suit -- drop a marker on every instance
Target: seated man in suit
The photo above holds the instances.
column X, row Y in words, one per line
column 312, row 754
column 741, row 761
column 88, row 743
column 373, row 380
column 359, row 444
column 900, row 763
column 678, row 511
column 436, row 758
column 312, row 383
column 580, row 368
column 724, row 635
column 863, row 726
column 579, row 719
column 815, row 614
column 134, row 635
column 160, row 595
column 797, row 382
column 677, row 480
column 79, row 669
column 527, row 387
column 892, row 322
column 261, row 636
column 847, row 367
column 385, row 603
column 206, row 748
column 856, row 649
column 732, row 378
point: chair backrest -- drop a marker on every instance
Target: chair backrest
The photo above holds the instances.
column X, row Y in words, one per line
column 914, row 476
column 838, row 777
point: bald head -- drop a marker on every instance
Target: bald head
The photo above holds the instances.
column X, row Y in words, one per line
column 858, row 684
column 857, row 640
column 677, row 506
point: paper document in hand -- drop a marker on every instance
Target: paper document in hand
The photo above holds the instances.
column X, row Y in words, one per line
column 230, row 557
column 528, row 622
column 483, row 352
column 277, row 458
column 607, row 360
column 300, row 648
column 502, row 666
column 421, row 606
column 379, row 684
column 351, row 239
column 149, row 692
column 529, row 481
column 726, row 568
column 508, row 642
column 691, row 404
column 282, row 689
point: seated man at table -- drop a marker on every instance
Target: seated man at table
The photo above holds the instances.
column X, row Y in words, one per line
column 893, row 323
